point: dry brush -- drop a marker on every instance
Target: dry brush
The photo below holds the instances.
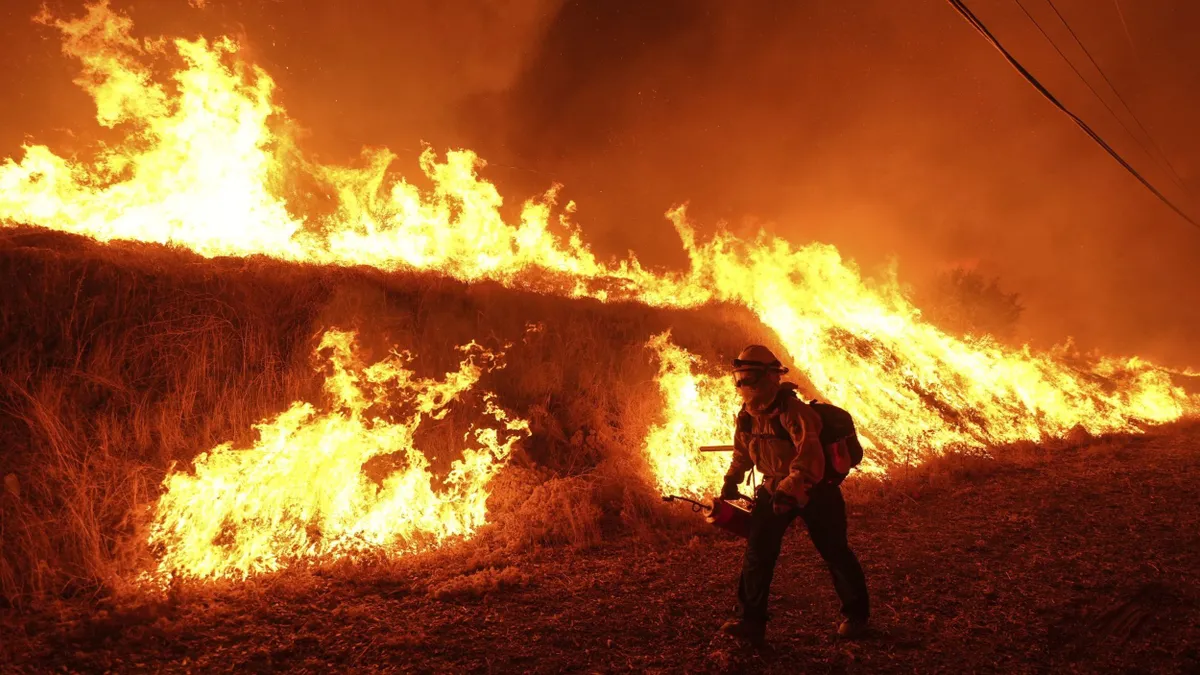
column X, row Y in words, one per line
column 120, row 362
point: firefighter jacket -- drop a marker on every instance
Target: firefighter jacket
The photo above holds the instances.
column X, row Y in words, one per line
column 793, row 464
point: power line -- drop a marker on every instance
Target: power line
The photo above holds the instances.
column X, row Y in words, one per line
column 1103, row 102
column 1167, row 160
column 983, row 30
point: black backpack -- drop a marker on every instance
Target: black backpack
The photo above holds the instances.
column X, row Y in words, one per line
column 839, row 440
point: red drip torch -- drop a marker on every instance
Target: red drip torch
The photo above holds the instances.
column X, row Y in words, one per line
column 726, row 515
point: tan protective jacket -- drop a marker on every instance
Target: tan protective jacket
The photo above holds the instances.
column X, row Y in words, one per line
column 792, row 466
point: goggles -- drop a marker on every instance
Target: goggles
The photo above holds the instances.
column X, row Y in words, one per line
column 747, row 378
column 748, row 373
column 743, row 364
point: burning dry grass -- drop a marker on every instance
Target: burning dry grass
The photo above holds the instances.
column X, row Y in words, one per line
column 958, row 469
column 122, row 361
column 115, row 369
column 204, row 158
column 1081, row 561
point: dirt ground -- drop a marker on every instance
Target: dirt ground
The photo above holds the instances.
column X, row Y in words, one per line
column 1087, row 563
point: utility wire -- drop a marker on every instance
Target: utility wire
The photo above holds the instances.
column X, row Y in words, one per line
column 1095, row 93
column 983, row 30
column 1167, row 160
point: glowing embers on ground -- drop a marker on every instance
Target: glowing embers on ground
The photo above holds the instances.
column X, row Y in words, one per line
column 206, row 159
column 302, row 491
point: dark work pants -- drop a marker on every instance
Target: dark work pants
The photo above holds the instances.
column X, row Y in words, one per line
column 825, row 516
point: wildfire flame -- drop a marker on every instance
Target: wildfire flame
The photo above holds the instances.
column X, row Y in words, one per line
column 700, row 410
column 203, row 165
column 300, row 492
column 1115, row 395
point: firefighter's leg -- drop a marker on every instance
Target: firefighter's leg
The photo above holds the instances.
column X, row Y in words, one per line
column 758, row 566
column 825, row 516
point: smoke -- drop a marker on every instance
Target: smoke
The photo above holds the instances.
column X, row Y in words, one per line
column 395, row 73
column 891, row 130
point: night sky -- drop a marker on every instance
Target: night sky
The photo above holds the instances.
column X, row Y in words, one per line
column 891, row 129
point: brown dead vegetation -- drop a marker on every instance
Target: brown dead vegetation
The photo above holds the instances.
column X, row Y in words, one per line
column 120, row 361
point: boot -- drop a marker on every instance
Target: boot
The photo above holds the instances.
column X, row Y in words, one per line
column 852, row 629
column 745, row 630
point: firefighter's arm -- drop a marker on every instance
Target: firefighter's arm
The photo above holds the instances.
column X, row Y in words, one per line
column 808, row 466
column 741, row 461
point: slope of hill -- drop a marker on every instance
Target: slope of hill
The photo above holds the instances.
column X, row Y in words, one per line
column 121, row 361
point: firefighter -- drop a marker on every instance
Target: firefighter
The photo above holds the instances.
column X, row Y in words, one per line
column 789, row 456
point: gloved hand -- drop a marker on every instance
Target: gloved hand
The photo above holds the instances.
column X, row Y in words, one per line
column 783, row 503
column 729, row 490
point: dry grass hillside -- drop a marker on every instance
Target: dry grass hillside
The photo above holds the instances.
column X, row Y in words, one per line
column 119, row 361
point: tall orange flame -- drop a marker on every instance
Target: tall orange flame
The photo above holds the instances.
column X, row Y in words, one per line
column 300, row 492
column 196, row 166
column 203, row 160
